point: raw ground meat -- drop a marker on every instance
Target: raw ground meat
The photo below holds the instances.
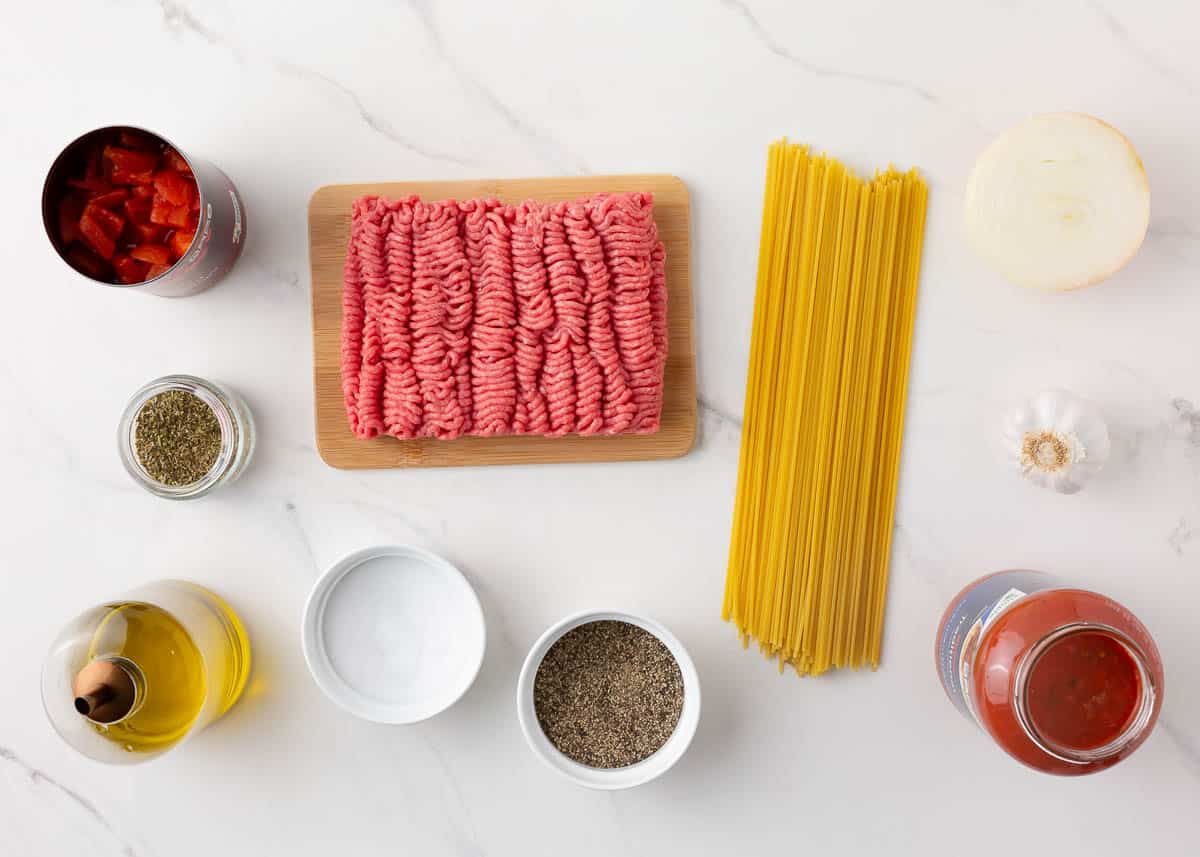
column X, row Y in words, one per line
column 483, row 318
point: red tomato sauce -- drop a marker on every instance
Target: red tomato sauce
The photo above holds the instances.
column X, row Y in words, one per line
column 1065, row 680
column 1083, row 691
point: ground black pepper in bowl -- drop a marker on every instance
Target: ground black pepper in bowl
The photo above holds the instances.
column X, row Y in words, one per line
column 177, row 438
column 608, row 694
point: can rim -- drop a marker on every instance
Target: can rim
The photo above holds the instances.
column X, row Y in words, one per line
column 51, row 185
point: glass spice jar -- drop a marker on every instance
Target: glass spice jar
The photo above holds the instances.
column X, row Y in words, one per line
column 203, row 246
column 236, row 441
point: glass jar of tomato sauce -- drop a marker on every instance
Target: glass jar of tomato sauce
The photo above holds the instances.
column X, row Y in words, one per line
column 1065, row 680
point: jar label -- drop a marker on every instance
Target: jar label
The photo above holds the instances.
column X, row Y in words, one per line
column 977, row 607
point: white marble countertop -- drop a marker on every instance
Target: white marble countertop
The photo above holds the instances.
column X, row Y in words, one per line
column 285, row 99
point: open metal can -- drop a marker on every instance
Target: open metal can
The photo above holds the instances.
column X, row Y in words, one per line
column 220, row 224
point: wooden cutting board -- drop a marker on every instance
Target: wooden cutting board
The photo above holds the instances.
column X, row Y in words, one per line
column 328, row 232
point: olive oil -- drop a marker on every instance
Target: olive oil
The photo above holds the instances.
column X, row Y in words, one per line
column 167, row 671
column 144, row 672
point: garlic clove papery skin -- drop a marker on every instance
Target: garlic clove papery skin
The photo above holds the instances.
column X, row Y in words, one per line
column 1057, row 440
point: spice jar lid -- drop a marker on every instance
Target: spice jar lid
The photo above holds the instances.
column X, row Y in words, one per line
column 393, row 634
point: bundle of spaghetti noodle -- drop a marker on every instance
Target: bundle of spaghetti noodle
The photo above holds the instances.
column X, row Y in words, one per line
column 838, row 265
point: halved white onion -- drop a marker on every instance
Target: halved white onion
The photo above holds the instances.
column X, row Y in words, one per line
column 1060, row 201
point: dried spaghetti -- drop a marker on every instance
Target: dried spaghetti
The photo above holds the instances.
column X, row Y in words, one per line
column 839, row 260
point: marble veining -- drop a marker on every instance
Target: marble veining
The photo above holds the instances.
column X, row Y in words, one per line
column 1142, row 52
column 549, row 150
column 375, row 122
column 775, row 47
column 1181, row 535
column 92, row 813
column 1189, row 420
column 778, row 49
column 288, row 97
column 719, row 413
column 178, row 18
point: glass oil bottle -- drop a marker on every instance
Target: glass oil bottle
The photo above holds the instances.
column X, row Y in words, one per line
column 132, row 678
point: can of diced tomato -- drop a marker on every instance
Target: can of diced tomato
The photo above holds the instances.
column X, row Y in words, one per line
column 125, row 207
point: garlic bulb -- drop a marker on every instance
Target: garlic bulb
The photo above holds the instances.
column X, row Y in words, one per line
column 1057, row 440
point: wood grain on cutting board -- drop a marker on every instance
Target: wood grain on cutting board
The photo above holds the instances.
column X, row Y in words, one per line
column 328, row 232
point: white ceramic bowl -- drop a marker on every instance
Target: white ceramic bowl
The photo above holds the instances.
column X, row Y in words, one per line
column 393, row 634
column 609, row 778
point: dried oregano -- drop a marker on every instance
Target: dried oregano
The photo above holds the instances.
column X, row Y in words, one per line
column 177, row 438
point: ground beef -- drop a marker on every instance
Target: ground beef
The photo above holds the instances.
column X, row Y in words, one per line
column 483, row 318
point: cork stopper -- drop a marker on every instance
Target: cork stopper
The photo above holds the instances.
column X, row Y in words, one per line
column 104, row 692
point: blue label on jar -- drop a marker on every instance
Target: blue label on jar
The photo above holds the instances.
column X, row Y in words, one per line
column 976, row 608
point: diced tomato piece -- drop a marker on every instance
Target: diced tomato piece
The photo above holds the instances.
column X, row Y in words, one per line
column 86, row 262
column 193, row 221
column 70, row 207
column 97, row 166
column 172, row 160
column 143, row 233
column 173, row 187
column 196, row 203
column 155, row 254
column 137, row 208
column 94, row 236
column 111, row 199
column 130, row 160
column 123, row 176
column 93, row 178
column 129, row 270
column 155, row 270
column 160, row 212
column 181, row 240
column 179, row 217
column 131, row 166
column 68, row 230
column 138, row 140
column 146, row 190
column 92, row 184
column 111, row 222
